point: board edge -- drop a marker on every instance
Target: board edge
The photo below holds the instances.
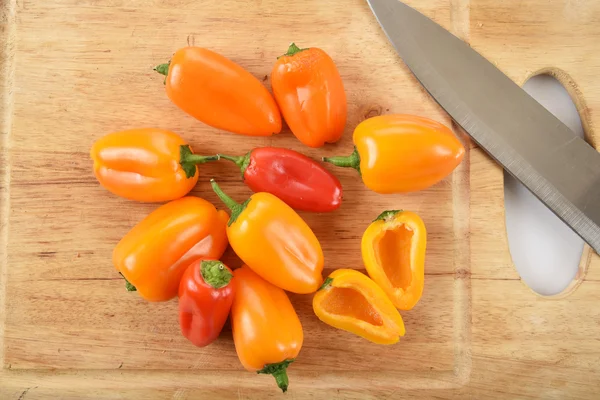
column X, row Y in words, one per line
column 7, row 72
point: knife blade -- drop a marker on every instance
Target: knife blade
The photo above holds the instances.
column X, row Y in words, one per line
column 557, row 166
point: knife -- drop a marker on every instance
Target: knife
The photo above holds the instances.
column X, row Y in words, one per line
column 557, row 166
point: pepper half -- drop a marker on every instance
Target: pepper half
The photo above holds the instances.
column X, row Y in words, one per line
column 393, row 251
column 349, row 300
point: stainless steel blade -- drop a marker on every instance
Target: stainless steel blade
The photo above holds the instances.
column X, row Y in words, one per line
column 561, row 169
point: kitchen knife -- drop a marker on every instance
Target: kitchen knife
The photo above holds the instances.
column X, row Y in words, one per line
column 557, row 166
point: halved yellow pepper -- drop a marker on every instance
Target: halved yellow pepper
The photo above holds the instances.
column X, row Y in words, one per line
column 349, row 300
column 393, row 251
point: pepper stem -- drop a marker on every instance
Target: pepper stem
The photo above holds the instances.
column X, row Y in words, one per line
column 215, row 274
column 236, row 208
column 240, row 161
column 128, row 286
column 293, row 49
column 387, row 215
column 351, row 161
column 278, row 371
column 163, row 69
column 189, row 160
column 326, row 283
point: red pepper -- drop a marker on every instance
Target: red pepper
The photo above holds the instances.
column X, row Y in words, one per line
column 205, row 298
column 298, row 180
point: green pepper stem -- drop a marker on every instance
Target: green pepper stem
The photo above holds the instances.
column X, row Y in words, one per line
column 236, row 208
column 281, row 379
column 293, row 49
column 215, row 274
column 326, row 283
column 279, row 371
column 351, row 161
column 128, row 286
column 198, row 159
column 387, row 215
column 240, row 161
column 189, row 160
column 163, row 69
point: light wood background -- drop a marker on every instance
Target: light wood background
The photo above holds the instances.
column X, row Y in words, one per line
column 72, row 71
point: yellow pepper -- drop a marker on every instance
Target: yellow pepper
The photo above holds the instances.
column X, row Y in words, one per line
column 267, row 333
column 402, row 153
column 349, row 300
column 274, row 241
column 393, row 251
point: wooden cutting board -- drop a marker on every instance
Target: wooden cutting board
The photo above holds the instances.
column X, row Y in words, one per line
column 74, row 70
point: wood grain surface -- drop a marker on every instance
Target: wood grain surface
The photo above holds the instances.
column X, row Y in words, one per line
column 72, row 71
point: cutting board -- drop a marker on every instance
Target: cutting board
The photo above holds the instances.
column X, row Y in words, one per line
column 74, row 70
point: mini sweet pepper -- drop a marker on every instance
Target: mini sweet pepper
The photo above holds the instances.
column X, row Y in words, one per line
column 310, row 93
column 266, row 330
column 393, row 251
column 153, row 256
column 149, row 164
column 402, row 153
column 274, row 241
column 205, row 296
column 349, row 300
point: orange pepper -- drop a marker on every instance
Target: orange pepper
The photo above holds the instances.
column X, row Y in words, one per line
column 310, row 93
column 266, row 330
column 273, row 240
column 402, row 153
column 147, row 164
column 220, row 93
column 153, row 256
column 349, row 300
column 393, row 251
